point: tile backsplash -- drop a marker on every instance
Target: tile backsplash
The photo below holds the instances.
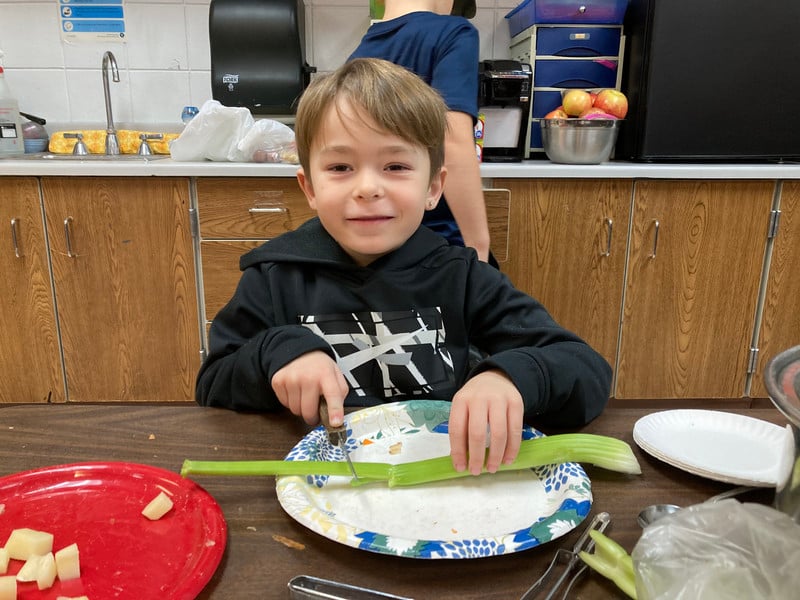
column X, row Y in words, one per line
column 164, row 62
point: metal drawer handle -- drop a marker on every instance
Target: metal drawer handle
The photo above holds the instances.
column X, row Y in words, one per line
column 610, row 229
column 67, row 236
column 272, row 209
column 14, row 239
column 657, row 226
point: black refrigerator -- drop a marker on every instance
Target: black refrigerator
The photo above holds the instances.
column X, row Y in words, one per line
column 711, row 80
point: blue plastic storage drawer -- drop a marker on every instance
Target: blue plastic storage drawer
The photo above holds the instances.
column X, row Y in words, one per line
column 532, row 12
column 543, row 103
column 578, row 41
column 575, row 73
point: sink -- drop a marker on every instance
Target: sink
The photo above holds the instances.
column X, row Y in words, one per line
column 87, row 157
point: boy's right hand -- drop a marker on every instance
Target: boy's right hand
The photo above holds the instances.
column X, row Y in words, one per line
column 300, row 383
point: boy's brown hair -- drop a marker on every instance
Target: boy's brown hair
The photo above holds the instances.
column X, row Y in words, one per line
column 396, row 99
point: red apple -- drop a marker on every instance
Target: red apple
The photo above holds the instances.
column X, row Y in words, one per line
column 575, row 102
column 595, row 113
column 594, row 97
column 558, row 113
column 613, row 102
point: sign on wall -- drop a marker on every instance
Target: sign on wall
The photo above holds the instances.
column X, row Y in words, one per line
column 92, row 20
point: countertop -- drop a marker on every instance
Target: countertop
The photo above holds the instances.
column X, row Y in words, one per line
column 266, row 547
column 538, row 168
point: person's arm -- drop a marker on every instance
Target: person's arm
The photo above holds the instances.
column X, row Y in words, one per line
column 463, row 189
column 247, row 347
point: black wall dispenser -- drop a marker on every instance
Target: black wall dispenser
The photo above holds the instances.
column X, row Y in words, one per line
column 258, row 54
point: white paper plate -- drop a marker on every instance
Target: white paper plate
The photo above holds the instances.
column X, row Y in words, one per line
column 723, row 446
column 468, row 517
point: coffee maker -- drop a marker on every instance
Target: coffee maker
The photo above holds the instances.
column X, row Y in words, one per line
column 504, row 99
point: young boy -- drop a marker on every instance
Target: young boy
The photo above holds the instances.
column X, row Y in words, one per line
column 422, row 36
column 363, row 305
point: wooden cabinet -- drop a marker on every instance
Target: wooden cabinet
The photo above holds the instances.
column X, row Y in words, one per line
column 696, row 253
column 567, row 241
column 30, row 359
column 236, row 215
column 780, row 317
column 666, row 291
column 124, row 289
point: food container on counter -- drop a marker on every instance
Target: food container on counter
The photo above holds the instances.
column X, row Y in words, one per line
column 579, row 141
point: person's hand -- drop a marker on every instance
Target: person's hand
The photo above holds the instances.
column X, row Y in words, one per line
column 490, row 400
column 301, row 382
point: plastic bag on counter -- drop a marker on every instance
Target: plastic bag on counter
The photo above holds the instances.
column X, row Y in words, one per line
column 721, row 550
column 223, row 133
column 269, row 141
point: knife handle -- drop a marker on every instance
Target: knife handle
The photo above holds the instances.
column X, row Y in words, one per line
column 325, row 418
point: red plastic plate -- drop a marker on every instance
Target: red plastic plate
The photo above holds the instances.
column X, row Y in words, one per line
column 122, row 553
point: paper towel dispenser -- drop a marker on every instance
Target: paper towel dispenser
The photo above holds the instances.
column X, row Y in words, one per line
column 258, row 54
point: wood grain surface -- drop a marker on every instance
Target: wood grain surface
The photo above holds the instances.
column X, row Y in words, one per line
column 266, row 548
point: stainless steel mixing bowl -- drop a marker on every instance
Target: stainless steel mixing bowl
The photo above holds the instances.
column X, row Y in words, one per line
column 579, row 141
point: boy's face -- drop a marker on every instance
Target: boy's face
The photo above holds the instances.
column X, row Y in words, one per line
column 370, row 188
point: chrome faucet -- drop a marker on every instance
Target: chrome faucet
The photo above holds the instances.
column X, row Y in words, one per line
column 112, row 144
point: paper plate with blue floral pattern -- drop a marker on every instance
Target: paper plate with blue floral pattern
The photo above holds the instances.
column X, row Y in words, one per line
column 469, row 517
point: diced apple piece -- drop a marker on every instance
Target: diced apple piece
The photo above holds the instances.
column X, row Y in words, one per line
column 68, row 563
column 8, row 587
column 30, row 570
column 3, row 560
column 47, row 572
column 25, row 542
column 71, row 598
column 158, row 507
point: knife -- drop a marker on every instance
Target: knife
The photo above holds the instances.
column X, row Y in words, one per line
column 337, row 436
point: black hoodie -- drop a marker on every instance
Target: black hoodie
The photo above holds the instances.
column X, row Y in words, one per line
column 416, row 323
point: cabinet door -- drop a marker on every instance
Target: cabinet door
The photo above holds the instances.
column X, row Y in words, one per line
column 123, row 271
column 780, row 324
column 696, row 256
column 30, row 361
column 567, row 244
column 221, row 272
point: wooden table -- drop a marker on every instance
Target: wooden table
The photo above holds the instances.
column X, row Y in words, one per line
column 255, row 565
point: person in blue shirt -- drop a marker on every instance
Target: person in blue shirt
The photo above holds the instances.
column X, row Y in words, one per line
column 427, row 38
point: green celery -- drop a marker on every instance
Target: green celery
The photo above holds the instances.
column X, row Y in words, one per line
column 602, row 451
column 371, row 471
column 612, row 562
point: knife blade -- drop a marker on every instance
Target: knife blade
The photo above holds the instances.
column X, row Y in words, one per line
column 337, row 436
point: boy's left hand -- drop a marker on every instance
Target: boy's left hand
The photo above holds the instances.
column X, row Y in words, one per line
column 490, row 400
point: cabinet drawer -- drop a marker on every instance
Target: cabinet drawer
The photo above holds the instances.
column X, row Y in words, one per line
column 250, row 208
column 566, row 73
column 221, row 272
column 578, row 41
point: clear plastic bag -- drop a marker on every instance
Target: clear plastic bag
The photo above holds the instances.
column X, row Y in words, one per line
column 269, row 141
column 224, row 133
column 722, row 550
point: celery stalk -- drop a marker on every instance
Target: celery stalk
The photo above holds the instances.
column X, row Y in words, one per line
column 602, row 451
column 612, row 562
column 371, row 471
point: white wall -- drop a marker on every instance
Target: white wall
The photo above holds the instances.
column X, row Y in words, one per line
column 165, row 64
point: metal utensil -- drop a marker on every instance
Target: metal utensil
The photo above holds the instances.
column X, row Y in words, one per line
column 337, row 436
column 600, row 522
column 654, row 512
column 306, row 587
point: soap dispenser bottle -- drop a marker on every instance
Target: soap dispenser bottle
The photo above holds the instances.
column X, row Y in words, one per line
column 11, row 141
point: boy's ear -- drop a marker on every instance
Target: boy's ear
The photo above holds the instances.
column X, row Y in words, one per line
column 307, row 187
column 435, row 189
